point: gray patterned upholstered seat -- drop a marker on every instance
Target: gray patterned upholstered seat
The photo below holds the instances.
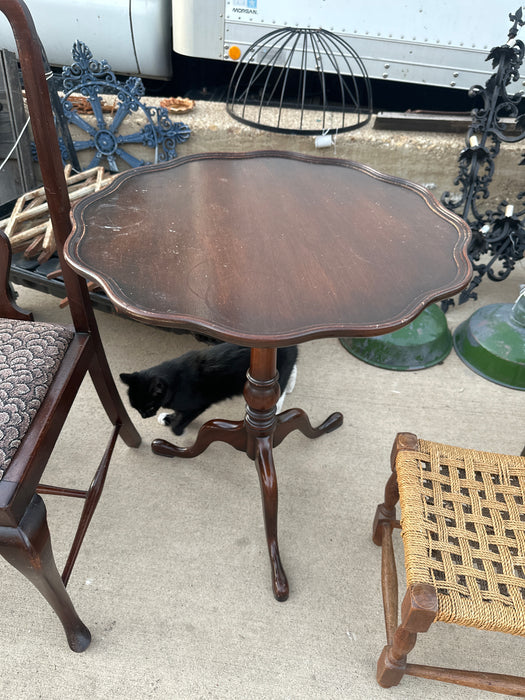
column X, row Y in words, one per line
column 30, row 354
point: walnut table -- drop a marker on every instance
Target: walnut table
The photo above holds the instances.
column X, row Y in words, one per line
column 267, row 249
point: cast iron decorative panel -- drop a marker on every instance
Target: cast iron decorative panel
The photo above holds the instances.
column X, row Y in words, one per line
column 92, row 79
column 498, row 235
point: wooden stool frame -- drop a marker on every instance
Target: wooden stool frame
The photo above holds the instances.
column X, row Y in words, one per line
column 419, row 606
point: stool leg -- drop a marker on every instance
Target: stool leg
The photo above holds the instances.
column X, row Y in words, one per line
column 418, row 611
column 28, row 549
column 386, row 511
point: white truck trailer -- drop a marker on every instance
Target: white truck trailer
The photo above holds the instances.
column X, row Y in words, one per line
column 415, row 41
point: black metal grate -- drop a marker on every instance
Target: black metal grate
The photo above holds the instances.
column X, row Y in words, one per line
column 301, row 81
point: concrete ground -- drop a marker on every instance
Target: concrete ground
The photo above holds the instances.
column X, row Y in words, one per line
column 173, row 578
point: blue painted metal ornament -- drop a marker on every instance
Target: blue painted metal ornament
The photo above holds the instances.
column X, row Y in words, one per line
column 92, row 79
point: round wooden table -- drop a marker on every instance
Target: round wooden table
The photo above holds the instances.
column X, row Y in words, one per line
column 268, row 249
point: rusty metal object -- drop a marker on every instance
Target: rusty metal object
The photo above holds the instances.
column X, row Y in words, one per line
column 178, row 105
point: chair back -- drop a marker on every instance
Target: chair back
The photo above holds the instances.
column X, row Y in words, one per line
column 30, row 55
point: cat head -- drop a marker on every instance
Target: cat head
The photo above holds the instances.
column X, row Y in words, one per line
column 146, row 392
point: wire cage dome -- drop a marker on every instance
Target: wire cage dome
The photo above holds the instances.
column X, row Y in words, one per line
column 300, row 81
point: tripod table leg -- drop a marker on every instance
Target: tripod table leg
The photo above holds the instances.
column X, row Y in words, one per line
column 297, row 419
column 232, row 432
column 267, row 477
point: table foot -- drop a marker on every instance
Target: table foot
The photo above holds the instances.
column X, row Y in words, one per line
column 232, row 432
column 297, row 419
column 268, row 480
column 280, row 586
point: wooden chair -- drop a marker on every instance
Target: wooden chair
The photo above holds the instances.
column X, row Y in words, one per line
column 463, row 529
column 42, row 366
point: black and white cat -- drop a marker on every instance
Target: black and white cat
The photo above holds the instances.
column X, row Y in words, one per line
column 191, row 383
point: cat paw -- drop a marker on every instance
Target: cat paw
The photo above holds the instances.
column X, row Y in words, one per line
column 172, row 420
column 287, row 389
column 290, row 386
column 164, row 418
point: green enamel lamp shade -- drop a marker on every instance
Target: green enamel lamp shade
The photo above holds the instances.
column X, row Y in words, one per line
column 423, row 343
column 492, row 343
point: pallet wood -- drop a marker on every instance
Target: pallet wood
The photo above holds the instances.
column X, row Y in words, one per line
column 29, row 228
column 442, row 122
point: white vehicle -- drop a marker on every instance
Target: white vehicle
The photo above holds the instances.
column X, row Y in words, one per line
column 417, row 41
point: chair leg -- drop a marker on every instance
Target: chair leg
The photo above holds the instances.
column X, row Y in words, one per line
column 110, row 398
column 418, row 611
column 28, row 549
column 92, row 498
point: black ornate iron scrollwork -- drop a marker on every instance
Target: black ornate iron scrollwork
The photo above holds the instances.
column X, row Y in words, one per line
column 92, row 79
column 498, row 235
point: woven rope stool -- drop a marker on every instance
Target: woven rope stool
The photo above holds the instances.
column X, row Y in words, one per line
column 463, row 529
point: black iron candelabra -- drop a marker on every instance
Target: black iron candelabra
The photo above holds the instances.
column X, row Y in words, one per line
column 498, row 235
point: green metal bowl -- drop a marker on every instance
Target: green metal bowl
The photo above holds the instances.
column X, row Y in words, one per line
column 423, row 343
column 492, row 343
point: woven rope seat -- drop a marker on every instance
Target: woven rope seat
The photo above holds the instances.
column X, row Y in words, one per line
column 30, row 354
column 463, row 527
